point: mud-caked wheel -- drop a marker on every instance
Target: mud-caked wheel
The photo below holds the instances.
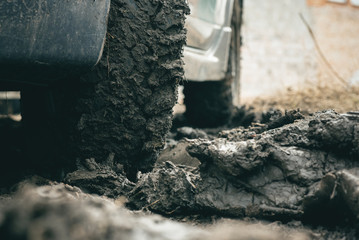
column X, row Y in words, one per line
column 121, row 110
column 210, row 103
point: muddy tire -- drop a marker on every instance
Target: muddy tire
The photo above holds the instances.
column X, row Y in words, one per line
column 122, row 109
column 210, row 103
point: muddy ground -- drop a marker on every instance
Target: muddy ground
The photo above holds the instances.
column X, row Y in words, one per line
column 312, row 98
column 282, row 176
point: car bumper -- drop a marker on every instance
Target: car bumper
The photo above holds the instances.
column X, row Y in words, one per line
column 208, row 42
column 210, row 64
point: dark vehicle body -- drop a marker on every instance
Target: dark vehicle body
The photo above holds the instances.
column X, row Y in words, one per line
column 41, row 39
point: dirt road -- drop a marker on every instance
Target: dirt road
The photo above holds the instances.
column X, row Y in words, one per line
column 300, row 171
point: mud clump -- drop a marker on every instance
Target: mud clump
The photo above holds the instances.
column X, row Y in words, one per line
column 106, row 179
column 271, row 175
column 274, row 118
column 59, row 211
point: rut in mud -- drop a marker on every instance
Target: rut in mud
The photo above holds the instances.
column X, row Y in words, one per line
column 304, row 171
column 299, row 171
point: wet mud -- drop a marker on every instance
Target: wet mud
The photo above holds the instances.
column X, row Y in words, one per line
column 125, row 109
column 59, row 211
column 277, row 174
column 301, row 177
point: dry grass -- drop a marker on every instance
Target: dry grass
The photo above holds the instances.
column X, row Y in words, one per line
column 312, row 99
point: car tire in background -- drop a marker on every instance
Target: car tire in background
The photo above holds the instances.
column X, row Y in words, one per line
column 211, row 103
column 121, row 110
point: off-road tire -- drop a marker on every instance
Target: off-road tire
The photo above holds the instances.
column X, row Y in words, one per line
column 122, row 109
column 210, row 103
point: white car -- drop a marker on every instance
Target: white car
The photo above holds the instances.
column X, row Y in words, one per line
column 212, row 60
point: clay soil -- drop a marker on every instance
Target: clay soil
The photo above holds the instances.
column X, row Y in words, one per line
column 286, row 176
